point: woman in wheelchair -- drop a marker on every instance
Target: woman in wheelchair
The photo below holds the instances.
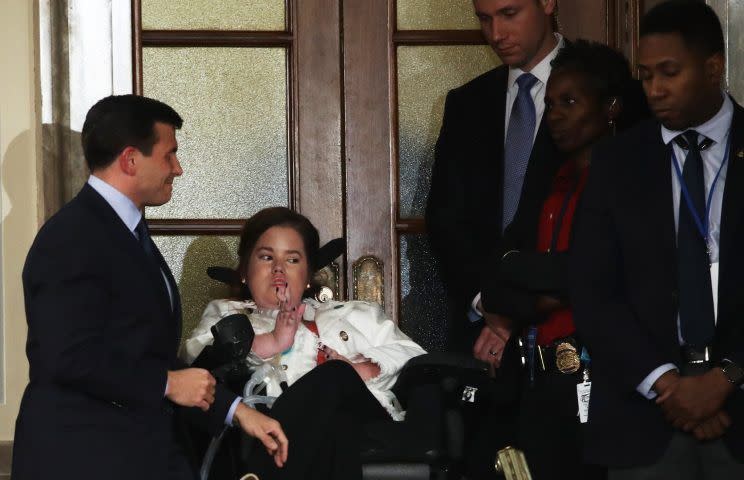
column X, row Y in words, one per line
column 336, row 361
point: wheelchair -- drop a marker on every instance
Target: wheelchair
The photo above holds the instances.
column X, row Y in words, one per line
column 442, row 393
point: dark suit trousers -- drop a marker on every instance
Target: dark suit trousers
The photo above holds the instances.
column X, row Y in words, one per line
column 687, row 459
column 323, row 415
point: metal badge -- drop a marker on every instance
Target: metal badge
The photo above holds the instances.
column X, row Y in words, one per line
column 566, row 358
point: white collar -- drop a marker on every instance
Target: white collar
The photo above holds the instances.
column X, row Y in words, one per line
column 715, row 128
column 542, row 70
column 122, row 205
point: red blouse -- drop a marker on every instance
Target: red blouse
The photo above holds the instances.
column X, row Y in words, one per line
column 553, row 235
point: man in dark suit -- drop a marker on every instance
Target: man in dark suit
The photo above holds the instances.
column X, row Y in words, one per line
column 494, row 162
column 658, row 268
column 104, row 319
column 493, row 156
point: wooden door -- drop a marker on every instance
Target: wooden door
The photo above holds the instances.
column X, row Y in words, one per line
column 331, row 107
column 399, row 60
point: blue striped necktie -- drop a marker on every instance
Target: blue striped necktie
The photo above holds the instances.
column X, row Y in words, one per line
column 518, row 146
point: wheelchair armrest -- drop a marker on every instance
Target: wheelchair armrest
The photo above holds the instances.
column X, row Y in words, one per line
column 452, row 371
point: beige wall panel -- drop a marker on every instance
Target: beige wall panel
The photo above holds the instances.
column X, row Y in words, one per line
column 19, row 147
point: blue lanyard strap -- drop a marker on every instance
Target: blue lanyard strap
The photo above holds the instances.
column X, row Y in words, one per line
column 702, row 226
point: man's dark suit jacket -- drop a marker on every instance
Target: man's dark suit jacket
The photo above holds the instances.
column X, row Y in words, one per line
column 101, row 336
column 464, row 210
column 624, row 290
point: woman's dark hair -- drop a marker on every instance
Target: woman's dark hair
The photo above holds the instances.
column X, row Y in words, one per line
column 606, row 72
column 278, row 217
column 693, row 20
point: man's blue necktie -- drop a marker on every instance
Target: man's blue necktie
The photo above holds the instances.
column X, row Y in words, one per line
column 143, row 235
column 518, row 146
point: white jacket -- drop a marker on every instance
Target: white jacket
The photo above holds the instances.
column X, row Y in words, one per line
column 356, row 330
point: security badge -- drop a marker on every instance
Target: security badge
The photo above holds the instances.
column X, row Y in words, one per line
column 566, row 358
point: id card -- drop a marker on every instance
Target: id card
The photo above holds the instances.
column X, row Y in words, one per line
column 582, row 394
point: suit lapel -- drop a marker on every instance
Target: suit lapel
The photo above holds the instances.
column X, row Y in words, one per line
column 661, row 201
column 492, row 146
column 124, row 239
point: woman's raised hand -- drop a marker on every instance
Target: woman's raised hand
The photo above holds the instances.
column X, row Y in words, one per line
column 288, row 319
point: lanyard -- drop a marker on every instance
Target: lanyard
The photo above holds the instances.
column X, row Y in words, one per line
column 701, row 224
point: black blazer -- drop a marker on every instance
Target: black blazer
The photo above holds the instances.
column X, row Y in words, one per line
column 624, row 290
column 464, row 209
column 101, row 336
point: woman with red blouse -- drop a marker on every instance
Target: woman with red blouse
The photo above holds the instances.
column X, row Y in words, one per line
column 589, row 95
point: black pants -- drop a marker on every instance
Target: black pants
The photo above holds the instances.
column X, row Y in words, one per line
column 492, row 424
column 323, row 415
column 549, row 431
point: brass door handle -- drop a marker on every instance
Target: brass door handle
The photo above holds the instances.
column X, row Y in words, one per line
column 369, row 280
column 512, row 464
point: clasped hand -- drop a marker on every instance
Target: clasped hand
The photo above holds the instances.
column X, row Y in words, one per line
column 489, row 347
column 694, row 404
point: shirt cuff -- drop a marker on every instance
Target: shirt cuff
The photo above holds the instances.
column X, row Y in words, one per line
column 231, row 411
column 473, row 314
column 165, row 392
column 646, row 387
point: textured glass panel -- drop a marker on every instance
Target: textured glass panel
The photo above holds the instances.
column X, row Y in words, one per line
column 188, row 258
column 736, row 44
column 233, row 144
column 425, row 75
column 213, row 15
column 423, row 304
column 436, row 15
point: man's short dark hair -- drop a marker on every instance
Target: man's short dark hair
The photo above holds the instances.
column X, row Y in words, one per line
column 693, row 20
column 120, row 121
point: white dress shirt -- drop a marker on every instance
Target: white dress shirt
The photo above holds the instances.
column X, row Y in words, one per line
column 717, row 129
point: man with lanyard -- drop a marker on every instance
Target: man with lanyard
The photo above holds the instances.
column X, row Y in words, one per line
column 657, row 266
